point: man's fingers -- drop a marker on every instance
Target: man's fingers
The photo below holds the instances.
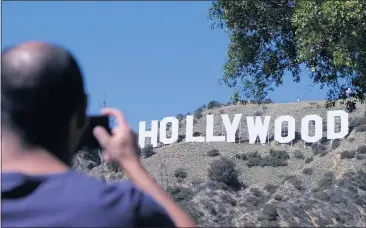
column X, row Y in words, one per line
column 115, row 130
column 106, row 157
column 101, row 135
column 121, row 121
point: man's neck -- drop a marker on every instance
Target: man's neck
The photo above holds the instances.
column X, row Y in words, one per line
column 36, row 161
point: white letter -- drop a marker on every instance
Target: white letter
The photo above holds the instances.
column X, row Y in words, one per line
column 257, row 128
column 189, row 131
column 153, row 133
column 174, row 128
column 331, row 134
column 231, row 127
column 209, row 131
column 305, row 128
column 290, row 129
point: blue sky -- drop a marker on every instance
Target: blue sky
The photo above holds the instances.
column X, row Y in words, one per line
column 151, row 59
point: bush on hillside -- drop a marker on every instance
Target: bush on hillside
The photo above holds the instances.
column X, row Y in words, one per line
column 223, row 170
column 228, row 199
column 113, row 166
column 336, row 143
column 308, row 160
column 267, row 101
column 361, row 149
column 323, row 153
column 213, row 104
column 180, row 193
column 192, row 210
column 296, row 183
column 180, row 173
column 270, row 188
column 299, row 155
column 270, row 212
column 147, row 151
column 256, row 192
column 327, row 180
column 307, row 171
column 180, row 117
column 213, row 153
column 241, row 156
column 361, row 128
column 275, row 158
column 360, row 156
column 198, row 113
column 357, row 121
column 348, row 154
column 318, row 148
column 278, row 197
column 258, row 113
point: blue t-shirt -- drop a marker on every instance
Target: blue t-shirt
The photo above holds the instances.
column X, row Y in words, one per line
column 73, row 199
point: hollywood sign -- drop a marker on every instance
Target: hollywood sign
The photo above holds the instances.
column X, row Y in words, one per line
column 256, row 129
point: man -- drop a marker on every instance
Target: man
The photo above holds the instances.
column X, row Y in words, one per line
column 43, row 117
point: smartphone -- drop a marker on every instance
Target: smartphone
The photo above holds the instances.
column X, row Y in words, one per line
column 88, row 141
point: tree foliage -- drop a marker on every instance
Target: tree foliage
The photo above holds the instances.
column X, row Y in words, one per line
column 325, row 39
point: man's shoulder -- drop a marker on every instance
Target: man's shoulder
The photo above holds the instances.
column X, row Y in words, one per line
column 70, row 199
column 120, row 203
column 101, row 203
column 84, row 185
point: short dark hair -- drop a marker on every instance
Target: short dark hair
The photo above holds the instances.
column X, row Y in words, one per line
column 42, row 87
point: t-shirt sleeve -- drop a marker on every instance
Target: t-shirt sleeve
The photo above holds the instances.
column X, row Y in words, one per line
column 135, row 207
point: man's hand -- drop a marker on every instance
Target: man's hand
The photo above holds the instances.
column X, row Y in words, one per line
column 120, row 147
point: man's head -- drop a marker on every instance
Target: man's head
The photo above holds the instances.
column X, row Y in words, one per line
column 42, row 97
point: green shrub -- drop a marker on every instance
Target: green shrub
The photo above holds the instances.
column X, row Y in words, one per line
column 336, row 143
column 361, row 149
column 275, row 158
column 228, row 199
column 307, row 171
column 213, row 104
column 198, row 113
column 323, row 153
column 348, row 154
column 213, row 153
column 270, row 188
column 192, row 210
column 147, row 151
column 357, row 121
column 252, row 201
column 361, row 128
column 223, row 170
column 318, row 148
column 256, row 192
column 180, row 117
column 267, row 101
column 327, row 180
column 308, row 160
column 298, row 155
column 180, row 173
column 270, row 212
column 180, row 193
column 258, row 113
column 278, row 197
column 360, row 157
column 114, row 167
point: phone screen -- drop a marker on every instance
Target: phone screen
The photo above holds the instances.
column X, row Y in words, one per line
column 89, row 142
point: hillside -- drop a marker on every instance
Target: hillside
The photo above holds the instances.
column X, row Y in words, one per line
column 242, row 184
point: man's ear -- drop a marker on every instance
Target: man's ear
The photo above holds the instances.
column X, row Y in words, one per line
column 81, row 117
